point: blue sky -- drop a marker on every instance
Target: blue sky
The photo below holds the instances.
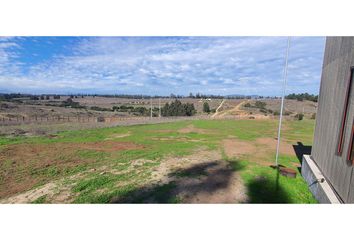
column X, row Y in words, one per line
column 159, row 65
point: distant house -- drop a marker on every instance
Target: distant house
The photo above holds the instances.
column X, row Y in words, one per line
column 329, row 169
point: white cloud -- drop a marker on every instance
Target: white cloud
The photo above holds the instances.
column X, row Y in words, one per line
column 158, row 65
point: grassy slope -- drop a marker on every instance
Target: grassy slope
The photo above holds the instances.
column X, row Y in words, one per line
column 263, row 183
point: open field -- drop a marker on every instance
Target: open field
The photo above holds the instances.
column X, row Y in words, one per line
column 89, row 106
column 191, row 161
column 25, row 116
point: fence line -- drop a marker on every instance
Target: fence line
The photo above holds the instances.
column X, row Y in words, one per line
column 79, row 119
column 4, row 121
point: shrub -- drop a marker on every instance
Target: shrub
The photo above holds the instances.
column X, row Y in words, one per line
column 95, row 108
column 70, row 103
column 206, row 107
column 299, row 116
column 313, row 116
column 260, row 104
column 247, row 105
column 263, row 110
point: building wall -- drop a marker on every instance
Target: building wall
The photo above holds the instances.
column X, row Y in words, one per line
column 338, row 59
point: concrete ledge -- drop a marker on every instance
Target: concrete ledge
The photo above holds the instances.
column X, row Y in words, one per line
column 317, row 183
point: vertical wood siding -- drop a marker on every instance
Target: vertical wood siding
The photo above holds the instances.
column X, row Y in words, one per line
column 338, row 58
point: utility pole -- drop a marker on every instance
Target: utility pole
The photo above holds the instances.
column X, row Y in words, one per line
column 159, row 107
column 150, row 108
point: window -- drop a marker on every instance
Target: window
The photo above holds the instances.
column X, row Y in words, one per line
column 350, row 154
column 344, row 115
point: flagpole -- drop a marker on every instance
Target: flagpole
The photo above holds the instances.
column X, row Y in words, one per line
column 285, row 76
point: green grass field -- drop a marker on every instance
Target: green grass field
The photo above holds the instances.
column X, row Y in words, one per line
column 117, row 164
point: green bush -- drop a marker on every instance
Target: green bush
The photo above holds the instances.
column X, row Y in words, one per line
column 247, row 105
column 101, row 109
column 260, row 104
column 206, row 107
column 70, row 103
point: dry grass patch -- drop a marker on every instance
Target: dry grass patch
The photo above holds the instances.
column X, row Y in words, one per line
column 23, row 166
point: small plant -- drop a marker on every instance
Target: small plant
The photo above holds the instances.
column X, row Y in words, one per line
column 299, row 116
column 41, row 199
column 313, row 116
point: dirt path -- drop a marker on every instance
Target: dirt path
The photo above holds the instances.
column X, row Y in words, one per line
column 234, row 111
column 217, row 110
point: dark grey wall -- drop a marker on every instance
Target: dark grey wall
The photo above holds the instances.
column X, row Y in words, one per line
column 338, row 58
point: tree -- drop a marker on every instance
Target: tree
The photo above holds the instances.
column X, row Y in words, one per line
column 177, row 108
column 206, row 107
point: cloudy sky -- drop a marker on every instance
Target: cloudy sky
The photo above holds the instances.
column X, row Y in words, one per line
column 159, row 65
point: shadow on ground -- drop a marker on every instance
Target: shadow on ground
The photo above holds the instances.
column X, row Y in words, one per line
column 301, row 149
column 201, row 179
column 207, row 179
column 267, row 189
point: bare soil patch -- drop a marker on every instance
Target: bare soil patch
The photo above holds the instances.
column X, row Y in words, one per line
column 271, row 143
column 236, row 148
column 202, row 177
column 256, row 151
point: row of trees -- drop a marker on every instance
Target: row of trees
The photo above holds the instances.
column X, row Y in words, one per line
column 303, row 96
column 177, row 108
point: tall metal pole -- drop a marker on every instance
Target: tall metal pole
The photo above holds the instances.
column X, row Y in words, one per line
column 285, row 76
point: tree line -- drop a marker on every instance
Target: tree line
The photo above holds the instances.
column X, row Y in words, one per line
column 303, row 96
